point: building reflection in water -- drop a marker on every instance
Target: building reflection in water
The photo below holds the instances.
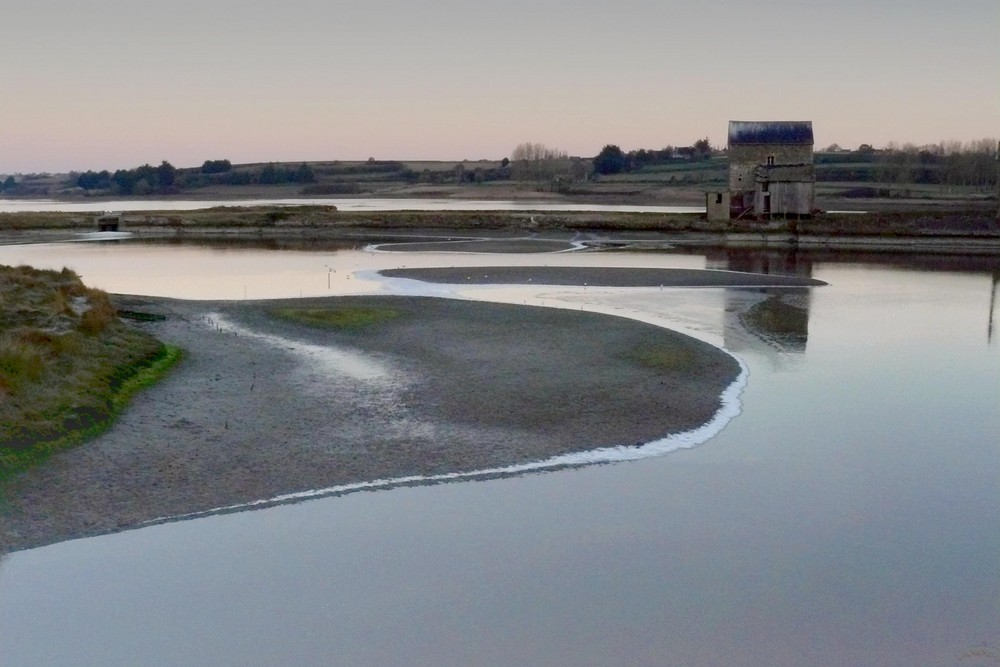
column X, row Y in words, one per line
column 775, row 317
column 993, row 303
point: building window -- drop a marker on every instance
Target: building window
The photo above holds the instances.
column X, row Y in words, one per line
column 718, row 198
column 763, row 186
column 770, row 160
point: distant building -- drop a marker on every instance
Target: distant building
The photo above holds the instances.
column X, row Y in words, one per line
column 717, row 205
column 109, row 222
column 771, row 172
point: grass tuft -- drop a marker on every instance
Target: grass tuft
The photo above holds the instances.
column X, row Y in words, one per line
column 21, row 359
column 341, row 318
column 68, row 365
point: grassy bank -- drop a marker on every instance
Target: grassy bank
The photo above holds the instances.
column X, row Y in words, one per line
column 68, row 364
column 326, row 220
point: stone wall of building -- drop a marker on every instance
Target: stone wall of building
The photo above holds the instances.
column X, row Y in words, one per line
column 717, row 206
column 745, row 158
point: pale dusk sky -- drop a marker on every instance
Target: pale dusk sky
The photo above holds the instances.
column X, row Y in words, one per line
column 107, row 84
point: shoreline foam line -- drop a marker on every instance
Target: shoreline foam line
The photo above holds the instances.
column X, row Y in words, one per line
column 729, row 408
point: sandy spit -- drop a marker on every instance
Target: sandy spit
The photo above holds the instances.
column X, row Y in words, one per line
column 600, row 277
column 261, row 407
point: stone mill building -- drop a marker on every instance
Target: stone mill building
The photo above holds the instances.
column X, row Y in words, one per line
column 771, row 172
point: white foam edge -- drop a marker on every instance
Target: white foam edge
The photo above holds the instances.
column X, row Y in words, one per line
column 730, row 407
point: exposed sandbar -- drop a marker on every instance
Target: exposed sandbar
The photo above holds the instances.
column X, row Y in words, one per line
column 599, row 277
column 263, row 406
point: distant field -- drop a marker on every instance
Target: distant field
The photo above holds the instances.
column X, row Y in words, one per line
column 844, row 180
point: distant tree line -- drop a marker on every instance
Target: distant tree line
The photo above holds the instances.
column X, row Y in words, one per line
column 167, row 179
column 949, row 163
column 143, row 180
column 613, row 160
column 538, row 162
column 25, row 185
column 270, row 173
column 896, row 167
column 274, row 174
column 216, row 166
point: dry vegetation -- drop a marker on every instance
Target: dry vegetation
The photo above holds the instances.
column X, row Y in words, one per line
column 67, row 363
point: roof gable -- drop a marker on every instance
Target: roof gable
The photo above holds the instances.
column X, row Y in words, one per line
column 799, row 132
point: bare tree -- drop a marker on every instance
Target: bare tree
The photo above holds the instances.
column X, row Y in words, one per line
column 948, row 163
column 536, row 162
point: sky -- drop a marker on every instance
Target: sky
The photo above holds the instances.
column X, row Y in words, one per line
column 108, row 84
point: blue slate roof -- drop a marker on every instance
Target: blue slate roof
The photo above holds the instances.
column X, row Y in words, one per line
column 743, row 132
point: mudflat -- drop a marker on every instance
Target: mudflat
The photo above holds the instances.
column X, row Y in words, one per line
column 263, row 405
column 600, row 277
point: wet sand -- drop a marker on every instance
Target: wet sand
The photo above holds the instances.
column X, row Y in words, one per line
column 600, row 277
column 262, row 406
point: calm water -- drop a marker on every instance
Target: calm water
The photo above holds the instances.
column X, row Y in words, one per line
column 849, row 516
column 355, row 204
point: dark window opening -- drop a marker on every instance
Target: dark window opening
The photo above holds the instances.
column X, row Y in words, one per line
column 770, row 160
column 718, row 198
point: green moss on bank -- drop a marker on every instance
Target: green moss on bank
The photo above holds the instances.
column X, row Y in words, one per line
column 340, row 318
column 68, row 364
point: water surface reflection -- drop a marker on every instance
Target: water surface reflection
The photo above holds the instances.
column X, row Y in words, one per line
column 846, row 517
